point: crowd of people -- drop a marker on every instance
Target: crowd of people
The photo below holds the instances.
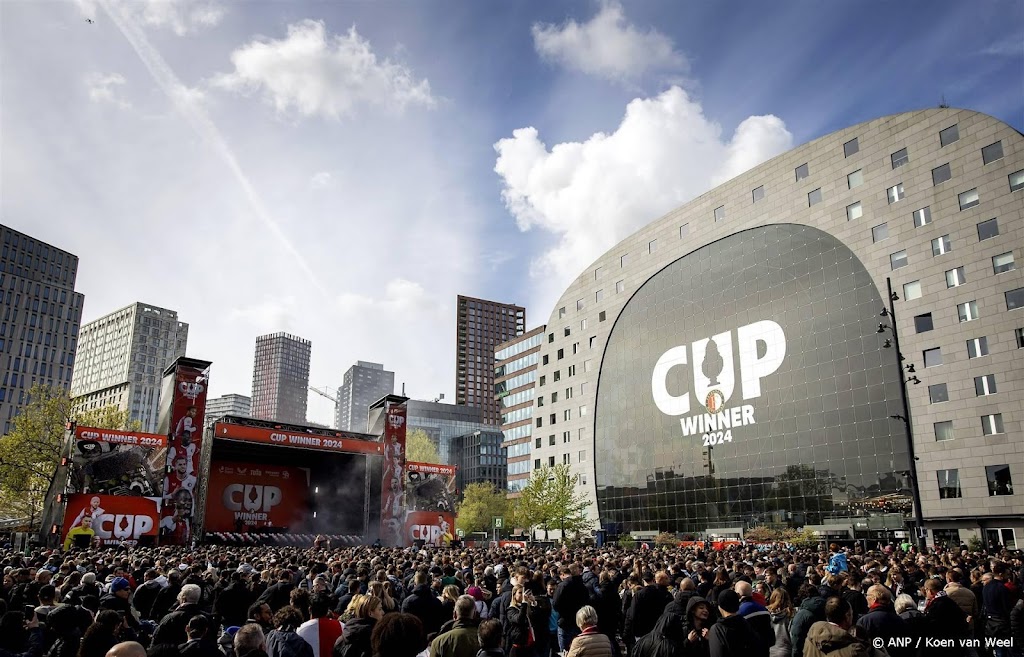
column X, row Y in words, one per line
column 742, row 601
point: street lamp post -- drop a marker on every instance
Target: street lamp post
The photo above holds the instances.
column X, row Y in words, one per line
column 912, row 474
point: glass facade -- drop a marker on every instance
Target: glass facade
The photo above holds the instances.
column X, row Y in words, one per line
column 745, row 384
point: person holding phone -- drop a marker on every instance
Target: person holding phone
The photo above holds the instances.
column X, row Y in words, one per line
column 20, row 633
column 518, row 633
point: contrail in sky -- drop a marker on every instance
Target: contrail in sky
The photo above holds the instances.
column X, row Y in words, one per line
column 178, row 94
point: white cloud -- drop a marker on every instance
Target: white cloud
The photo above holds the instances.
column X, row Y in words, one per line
column 1010, row 47
column 312, row 73
column 608, row 46
column 592, row 194
column 104, row 87
column 180, row 16
column 321, row 180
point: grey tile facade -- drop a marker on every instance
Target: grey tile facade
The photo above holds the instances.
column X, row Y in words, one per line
column 280, row 378
column 364, row 383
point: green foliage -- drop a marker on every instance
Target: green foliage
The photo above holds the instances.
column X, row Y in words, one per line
column 481, row 502
column 626, row 542
column 419, row 448
column 762, row 533
column 974, row 544
column 666, row 539
column 550, row 500
column 802, row 538
column 30, row 453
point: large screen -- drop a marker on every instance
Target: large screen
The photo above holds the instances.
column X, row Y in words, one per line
column 746, row 384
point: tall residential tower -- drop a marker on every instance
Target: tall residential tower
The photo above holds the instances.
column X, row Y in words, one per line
column 364, row 384
column 482, row 325
column 280, row 378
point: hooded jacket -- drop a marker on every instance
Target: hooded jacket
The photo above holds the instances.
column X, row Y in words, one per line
column 422, row 604
column 733, row 636
column 64, row 623
column 144, row 598
column 355, row 638
column 285, row 642
column 782, row 645
column 827, row 640
column 810, row 612
column 667, row 639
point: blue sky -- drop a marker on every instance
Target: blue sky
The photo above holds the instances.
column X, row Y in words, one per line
column 341, row 170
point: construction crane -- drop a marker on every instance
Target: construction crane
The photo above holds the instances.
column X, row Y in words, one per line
column 323, row 392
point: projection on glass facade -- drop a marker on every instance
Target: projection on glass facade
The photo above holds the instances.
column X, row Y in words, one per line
column 744, row 384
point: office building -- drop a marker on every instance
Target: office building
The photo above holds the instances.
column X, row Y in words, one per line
column 733, row 363
column 121, row 359
column 364, row 383
column 515, row 381
column 226, row 405
column 444, row 423
column 481, row 326
column 41, row 317
column 280, row 378
column 480, row 458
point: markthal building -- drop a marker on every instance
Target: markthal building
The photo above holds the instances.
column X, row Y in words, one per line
column 833, row 340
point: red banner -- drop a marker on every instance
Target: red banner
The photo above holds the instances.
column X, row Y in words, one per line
column 112, row 518
column 185, row 437
column 109, row 462
column 246, row 497
column 430, row 527
column 112, row 436
column 291, row 439
column 392, row 480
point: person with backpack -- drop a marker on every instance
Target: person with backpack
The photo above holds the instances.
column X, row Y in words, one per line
column 732, row 636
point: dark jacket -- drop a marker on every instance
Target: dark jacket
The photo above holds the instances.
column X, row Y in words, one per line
column 760, row 620
column 667, row 639
column 286, row 643
column 882, row 622
column 810, row 612
column 608, row 606
column 1016, row 623
column 165, row 601
column 277, row 595
column 570, row 596
column 648, row 605
column 233, row 603
column 827, row 640
column 200, row 648
column 857, row 601
column 422, row 604
column 995, row 609
column 733, row 637
column 64, row 625
column 946, row 620
column 355, row 638
column 591, row 581
column 121, row 605
column 144, row 598
column 517, row 626
column 172, row 626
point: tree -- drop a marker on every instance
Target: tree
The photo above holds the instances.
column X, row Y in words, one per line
column 480, row 503
column 550, row 500
column 802, row 538
column 626, row 541
column 30, row 453
column 761, row 534
column 420, row 448
column 666, row 539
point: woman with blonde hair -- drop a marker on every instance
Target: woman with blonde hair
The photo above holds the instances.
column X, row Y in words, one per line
column 355, row 640
column 379, row 591
column 780, row 607
column 448, row 597
column 518, row 633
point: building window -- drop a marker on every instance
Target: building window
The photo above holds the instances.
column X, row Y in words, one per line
column 923, row 323
column 567, row 414
column 802, row 172
column 566, row 332
column 597, row 272
column 557, row 376
column 992, row 152
column 568, row 393
column 941, row 245
column 591, row 342
column 588, row 365
column 579, row 305
column 575, row 348
column 967, row 311
column 895, row 193
column 988, row 229
column 968, row 199
column 880, row 232
column 543, row 380
column 552, row 419
column 814, row 197
column 583, row 325
column 566, row 437
column 992, row 424
column 537, row 442
column 684, row 230
column 544, row 359
column 932, row 357
column 1014, row 298
column 941, row 174
column 551, row 338
column 554, row 397
column 758, row 193
column 561, row 312
column 943, row 430
column 620, row 286
column 601, row 316
column 938, row 393
column 623, row 259
column 854, row 211
column 922, row 217
column 551, row 461
column 536, row 464
column 652, row 246
column 949, row 135
column 1018, row 335
column 583, row 455
column 977, row 347
column 985, row 385
column 540, row 401
column 1016, row 180
column 1003, row 263
column 898, row 259
column 583, row 411
column 912, row 290
column 565, row 459
column 540, row 422
column 851, row 147
column 551, row 440
column 899, row 158
column 949, row 484
column 720, row 213
column 955, row 277
column 999, row 482
column 855, row 179
column 572, row 370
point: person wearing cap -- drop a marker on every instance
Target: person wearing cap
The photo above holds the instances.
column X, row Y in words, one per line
column 118, row 600
column 732, row 635
column 482, row 612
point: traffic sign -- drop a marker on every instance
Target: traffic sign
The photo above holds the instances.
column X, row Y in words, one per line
column 498, row 522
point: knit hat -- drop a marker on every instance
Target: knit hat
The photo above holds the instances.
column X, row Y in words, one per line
column 729, row 601
column 475, row 592
column 119, row 584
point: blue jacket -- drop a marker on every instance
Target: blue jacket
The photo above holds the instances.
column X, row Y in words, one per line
column 837, row 563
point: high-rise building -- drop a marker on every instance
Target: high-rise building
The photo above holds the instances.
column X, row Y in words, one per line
column 121, row 359
column 226, row 405
column 280, row 378
column 41, row 316
column 480, row 458
column 515, row 380
column 482, row 325
column 364, row 384
column 444, row 423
